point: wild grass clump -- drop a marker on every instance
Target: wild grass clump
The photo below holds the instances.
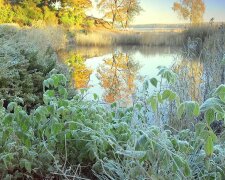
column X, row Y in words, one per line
column 200, row 70
column 202, row 31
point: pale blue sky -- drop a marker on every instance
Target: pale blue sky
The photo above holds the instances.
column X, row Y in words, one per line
column 160, row 11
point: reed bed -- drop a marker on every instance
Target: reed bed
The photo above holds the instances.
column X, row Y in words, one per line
column 100, row 38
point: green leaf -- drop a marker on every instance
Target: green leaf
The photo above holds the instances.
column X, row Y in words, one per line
column 113, row 105
column 19, row 100
column 63, row 92
column 220, row 91
column 146, row 85
column 172, row 96
column 209, row 116
column 141, row 143
column 159, row 98
column 59, row 79
column 178, row 162
column 213, row 103
column 56, row 128
column 153, row 102
column 199, row 128
column 45, row 83
column 181, row 110
column 61, row 111
column 189, row 107
column 11, row 106
column 26, row 164
column 196, row 110
column 213, row 135
column 204, row 134
column 95, row 96
column 167, row 74
column 72, row 125
column 154, row 82
column 50, row 93
column 8, row 119
column 209, row 146
column 166, row 94
column 132, row 154
column 51, row 82
column 187, row 169
column 83, row 91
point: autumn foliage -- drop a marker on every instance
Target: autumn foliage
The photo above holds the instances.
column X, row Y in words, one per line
column 192, row 10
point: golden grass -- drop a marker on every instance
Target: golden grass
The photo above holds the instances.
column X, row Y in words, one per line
column 107, row 38
column 94, row 39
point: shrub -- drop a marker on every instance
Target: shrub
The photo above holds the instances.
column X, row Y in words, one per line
column 6, row 13
column 70, row 18
column 26, row 13
column 25, row 62
column 49, row 16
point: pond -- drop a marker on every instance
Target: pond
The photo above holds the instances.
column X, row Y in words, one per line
column 116, row 74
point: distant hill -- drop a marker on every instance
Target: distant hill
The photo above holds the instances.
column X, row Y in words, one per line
column 184, row 25
column 159, row 26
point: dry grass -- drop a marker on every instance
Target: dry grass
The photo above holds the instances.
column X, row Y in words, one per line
column 107, row 38
column 94, row 39
column 156, row 37
column 48, row 36
column 54, row 37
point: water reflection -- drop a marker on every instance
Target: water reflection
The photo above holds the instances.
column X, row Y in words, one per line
column 80, row 72
column 117, row 76
column 190, row 74
column 89, row 52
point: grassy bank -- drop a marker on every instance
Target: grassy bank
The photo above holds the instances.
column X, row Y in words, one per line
column 67, row 137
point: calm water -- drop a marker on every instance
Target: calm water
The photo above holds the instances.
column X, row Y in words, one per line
column 115, row 74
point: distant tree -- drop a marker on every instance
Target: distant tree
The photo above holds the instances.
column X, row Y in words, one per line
column 120, row 10
column 27, row 12
column 192, row 10
column 130, row 9
column 76, row 3
column 110, row 7
column 30, row 12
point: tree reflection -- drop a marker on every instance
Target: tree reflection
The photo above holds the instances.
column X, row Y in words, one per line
column 80, row 72
column 190, row 73
column 117, row 76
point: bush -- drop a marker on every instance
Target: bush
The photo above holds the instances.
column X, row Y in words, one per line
column 27, row 13
column 49, row 16
column 6, row 13
column 70, row 18
column 25, row 63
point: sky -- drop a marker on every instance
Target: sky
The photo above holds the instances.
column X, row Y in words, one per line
column 160, row 12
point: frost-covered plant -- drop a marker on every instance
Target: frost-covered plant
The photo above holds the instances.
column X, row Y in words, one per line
column 24, row 64
column 68, row 137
